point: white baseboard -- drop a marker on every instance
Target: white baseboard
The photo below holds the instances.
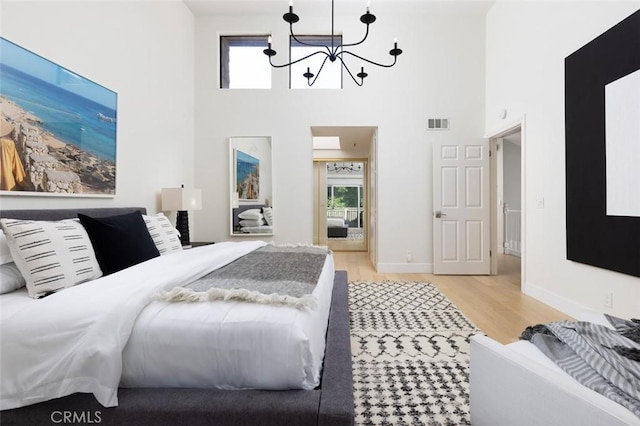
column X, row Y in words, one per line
column 405, row 268
column 512, row 252
column 560, row 303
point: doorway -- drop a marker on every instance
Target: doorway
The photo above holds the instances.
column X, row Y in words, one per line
column 342, row 187
column 341, row 204
column 507, row 201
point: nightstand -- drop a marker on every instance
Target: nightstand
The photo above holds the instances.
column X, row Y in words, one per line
column 199, row 243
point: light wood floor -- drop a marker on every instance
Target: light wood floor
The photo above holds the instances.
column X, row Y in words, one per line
column 493, row 303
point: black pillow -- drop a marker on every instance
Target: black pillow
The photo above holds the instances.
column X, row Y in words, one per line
column 119, row 241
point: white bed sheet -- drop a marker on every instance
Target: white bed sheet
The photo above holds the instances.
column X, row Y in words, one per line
column 262, row 229
column 229, row 345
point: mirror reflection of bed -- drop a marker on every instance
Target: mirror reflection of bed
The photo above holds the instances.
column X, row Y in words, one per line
column 252, row 219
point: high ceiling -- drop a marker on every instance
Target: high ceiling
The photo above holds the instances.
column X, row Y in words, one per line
column 351, row 137
column 267, row 7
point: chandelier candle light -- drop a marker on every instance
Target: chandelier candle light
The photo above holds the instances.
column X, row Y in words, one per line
column 335, row 51
column 343, row 167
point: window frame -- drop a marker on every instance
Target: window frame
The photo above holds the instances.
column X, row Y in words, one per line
column 225, row 41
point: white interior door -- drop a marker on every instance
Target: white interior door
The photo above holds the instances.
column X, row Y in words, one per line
column 461, row 204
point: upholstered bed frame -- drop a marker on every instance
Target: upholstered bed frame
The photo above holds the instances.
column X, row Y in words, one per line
column 338, row 231
column 330, row 404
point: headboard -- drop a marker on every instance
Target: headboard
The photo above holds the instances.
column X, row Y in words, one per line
column 59, row 214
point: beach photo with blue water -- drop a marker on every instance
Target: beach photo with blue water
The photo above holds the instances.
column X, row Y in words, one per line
column 247, row 176
column 61, row 127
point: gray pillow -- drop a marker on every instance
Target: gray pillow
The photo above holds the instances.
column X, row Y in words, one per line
column 10, row 278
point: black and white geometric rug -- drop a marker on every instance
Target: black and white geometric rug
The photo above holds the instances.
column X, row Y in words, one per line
column 410, row 349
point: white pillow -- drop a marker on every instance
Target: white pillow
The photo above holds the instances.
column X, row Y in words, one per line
column 51, row 255
column 10, row 278
column 251, row 214
column 248, row 222
column 164, row 235
column 268, row 215
column 5, row 254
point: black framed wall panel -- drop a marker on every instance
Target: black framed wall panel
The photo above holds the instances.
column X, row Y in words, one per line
column 593, row 237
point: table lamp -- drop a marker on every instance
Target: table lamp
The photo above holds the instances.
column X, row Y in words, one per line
column 181, row 200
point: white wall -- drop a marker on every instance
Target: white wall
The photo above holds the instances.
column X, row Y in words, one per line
column 142, row 50
column 526, row 46
column 440, row 73
column 512, row 174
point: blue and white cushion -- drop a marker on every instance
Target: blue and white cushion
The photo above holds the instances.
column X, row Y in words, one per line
column 51, row 255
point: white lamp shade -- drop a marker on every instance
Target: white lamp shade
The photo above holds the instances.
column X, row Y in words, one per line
column 181, row 199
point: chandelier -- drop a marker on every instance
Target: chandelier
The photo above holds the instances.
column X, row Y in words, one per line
column 335, row 51
column 343, row 167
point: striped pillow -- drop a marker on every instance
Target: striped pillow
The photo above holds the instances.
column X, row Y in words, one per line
column 164, row 235
column 268, row 215
column 51, row 255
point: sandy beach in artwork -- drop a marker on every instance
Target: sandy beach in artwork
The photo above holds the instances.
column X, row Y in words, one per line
column 60, row 159
column 13, row 113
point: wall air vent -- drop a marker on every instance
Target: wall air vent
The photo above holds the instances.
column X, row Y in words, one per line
column 438, row 124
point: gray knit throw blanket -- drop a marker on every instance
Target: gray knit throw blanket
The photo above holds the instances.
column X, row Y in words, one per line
column 591, row 354
column 284, row 275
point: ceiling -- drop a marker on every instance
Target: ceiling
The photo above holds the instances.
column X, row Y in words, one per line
column 351, row 137
column 317, row 7
column 514, row 138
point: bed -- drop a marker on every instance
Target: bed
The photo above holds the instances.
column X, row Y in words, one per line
column 337, row 228
column 242, row 225
column 145, row 398
column 516, row 384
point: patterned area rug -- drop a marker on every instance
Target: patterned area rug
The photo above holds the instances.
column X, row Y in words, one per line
column 410, row 348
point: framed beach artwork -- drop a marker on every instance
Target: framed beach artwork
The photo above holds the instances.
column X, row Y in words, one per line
column 247, row 170
column 57, row 129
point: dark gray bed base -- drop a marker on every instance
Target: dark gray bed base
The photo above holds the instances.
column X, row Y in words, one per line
column 330, row 404
column 337, row 231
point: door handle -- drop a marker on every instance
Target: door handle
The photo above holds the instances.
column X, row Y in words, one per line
column 439, row 214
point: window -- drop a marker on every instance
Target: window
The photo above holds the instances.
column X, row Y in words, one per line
column 242, row 63
column 331, row 75
column 347, row 202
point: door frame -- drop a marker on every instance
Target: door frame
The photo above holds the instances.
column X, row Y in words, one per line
column 510, row 127
column 321, row 222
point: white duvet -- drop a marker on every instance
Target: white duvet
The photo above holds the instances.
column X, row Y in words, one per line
column 230, row 345
column 335, row 222
column 72, row 341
